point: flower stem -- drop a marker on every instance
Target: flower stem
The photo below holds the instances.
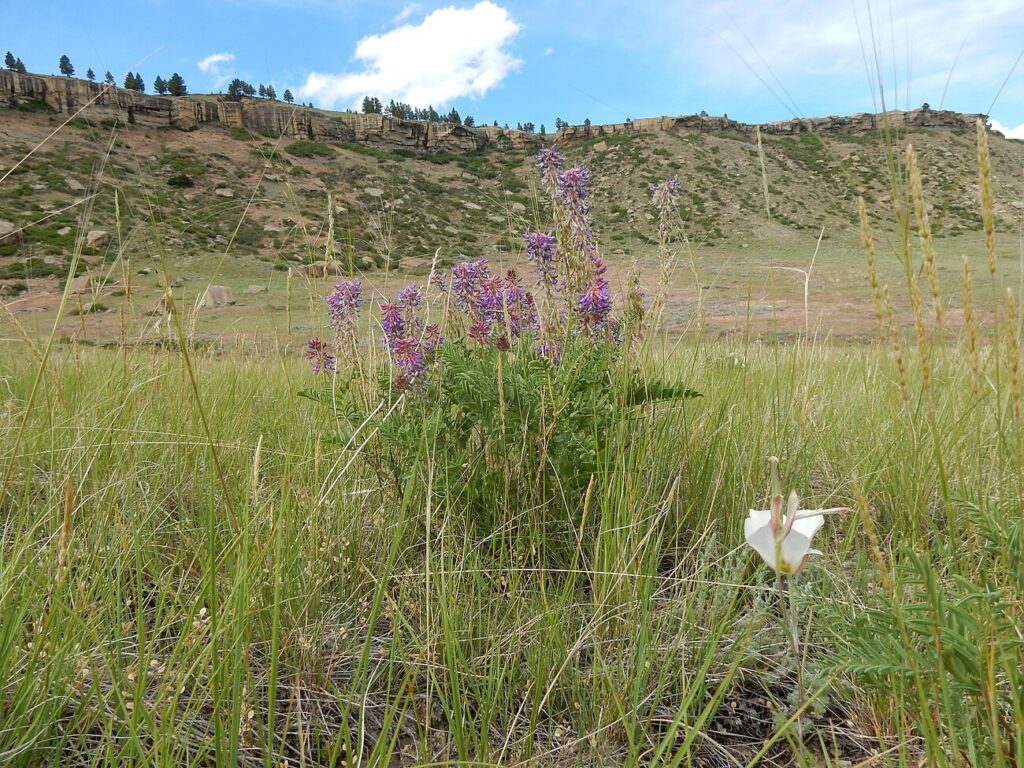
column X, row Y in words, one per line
column 792, row 628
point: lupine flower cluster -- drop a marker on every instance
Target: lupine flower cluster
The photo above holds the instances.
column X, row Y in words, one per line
column 549, row 160
column 585, row 271
column 410, row 341
column 320, row 359
column 595, row 308
column 499, row 309
column 342, row 304
column 540, row 251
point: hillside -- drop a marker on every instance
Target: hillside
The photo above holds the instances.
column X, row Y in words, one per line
column 236, row 205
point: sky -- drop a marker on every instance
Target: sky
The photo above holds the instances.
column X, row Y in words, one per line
column 516, row 61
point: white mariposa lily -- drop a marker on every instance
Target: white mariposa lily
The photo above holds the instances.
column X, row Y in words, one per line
column 785, row 542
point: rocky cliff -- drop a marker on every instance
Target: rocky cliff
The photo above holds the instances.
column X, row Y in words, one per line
column 70, row 96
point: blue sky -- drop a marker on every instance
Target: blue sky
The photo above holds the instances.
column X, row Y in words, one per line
column 511, row 61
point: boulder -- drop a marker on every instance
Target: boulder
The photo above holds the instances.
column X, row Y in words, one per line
column 97, row 238
column 64, row 231
column 217, row 296
column 224, row 192
column 9, row 233
column 81, row 284
column 254, row 290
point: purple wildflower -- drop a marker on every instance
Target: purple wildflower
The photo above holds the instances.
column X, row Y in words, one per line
column 432, row 337
column 540, row 251
column 320, row 358
column 574, row 186
column 411, row 297
column 391, row 321
column 466, row 279
column 595, row 308
column 480, row 332
column 549, row 160
column 410, row 359
column 343, row 303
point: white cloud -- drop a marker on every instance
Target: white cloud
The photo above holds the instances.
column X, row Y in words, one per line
column 1010, row 133
column 211, row 62
column 548, row 51
column 405, row 13
column 916, row 45
column 453, row 52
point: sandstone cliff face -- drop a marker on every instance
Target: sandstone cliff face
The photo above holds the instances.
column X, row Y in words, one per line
column 67, row 96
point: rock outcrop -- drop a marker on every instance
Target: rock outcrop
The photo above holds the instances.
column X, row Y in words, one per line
column 71, row 96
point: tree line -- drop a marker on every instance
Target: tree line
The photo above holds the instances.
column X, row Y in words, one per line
column 237, row 89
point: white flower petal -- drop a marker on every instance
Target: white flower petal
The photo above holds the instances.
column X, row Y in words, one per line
column 808, row 525
column 794, row 548
column 762, row 541
column 757, row 518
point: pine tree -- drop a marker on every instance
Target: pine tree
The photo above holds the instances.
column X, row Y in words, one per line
column 19, row 67
column 10, row 62
column 90, row 75
column 271, row 93
column 66, row 68
column 239, row 88
column 453, row 117
column 159, row 85
column 543, row 130
column 263, row 91
column 109, row 78
column 176, row 85
column 288, row 96
column 587, row 122
column 140, row 84
column 469, row 122
column 129, row 82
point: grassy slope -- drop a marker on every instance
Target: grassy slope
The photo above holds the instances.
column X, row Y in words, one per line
column 468, row 206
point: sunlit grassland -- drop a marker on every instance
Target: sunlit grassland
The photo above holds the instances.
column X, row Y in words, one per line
column 260, row 593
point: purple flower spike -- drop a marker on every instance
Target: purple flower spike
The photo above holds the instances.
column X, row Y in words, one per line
column 549, row 160
column 540, row 251
column 343, row 303
column 411, row 297
column 391, row 321
column 480, row 332
column 574, row 185
column 320, row 359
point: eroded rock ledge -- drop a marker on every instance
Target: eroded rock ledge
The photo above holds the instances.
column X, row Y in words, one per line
column 68, row 95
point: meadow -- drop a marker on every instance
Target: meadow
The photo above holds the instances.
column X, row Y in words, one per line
column 500, row 530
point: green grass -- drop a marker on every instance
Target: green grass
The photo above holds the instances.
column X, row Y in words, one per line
column 173, row 596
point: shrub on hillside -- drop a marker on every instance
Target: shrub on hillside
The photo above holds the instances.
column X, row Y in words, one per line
column 308, row 149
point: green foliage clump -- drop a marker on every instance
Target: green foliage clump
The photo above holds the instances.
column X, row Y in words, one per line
column 182, row 164
column 306, row 149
